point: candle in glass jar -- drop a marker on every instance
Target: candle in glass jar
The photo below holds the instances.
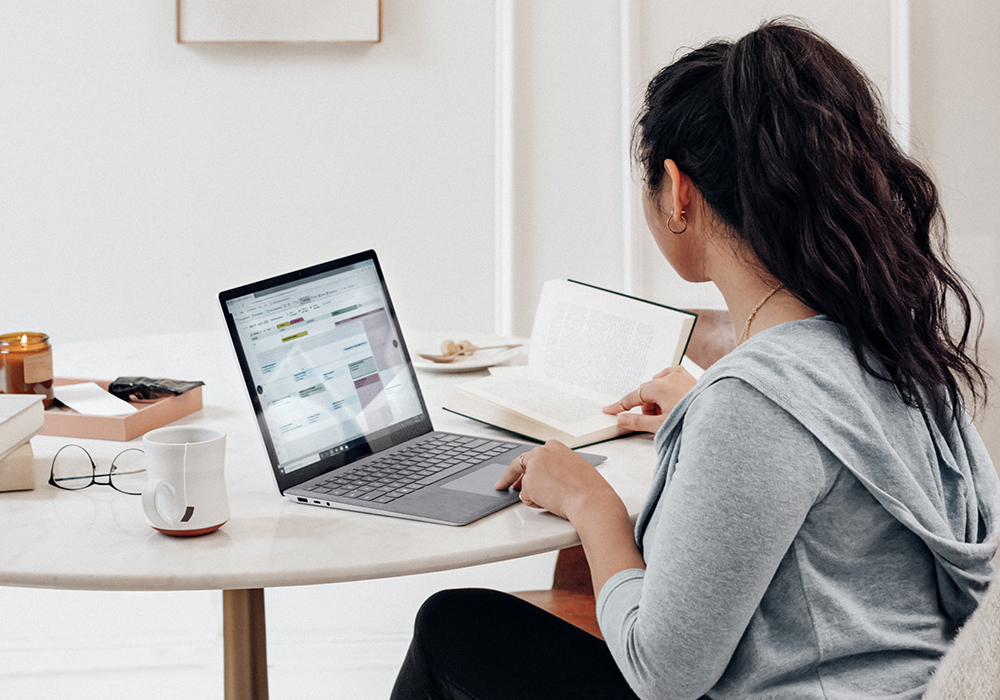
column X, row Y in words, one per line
column 26, row 365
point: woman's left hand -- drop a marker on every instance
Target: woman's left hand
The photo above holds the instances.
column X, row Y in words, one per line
column 555, row 478
column 664, row 392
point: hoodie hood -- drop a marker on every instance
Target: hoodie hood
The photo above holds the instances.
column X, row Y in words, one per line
column 933, row 474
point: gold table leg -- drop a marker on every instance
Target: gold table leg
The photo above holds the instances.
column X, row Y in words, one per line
column 245, row 639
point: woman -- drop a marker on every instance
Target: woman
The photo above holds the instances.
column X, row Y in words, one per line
column 821, row 515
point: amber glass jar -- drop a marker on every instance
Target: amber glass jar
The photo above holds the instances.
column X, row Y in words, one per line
column 26, row 365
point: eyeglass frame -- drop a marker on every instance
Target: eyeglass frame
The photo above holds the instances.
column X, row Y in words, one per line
column 94, row 476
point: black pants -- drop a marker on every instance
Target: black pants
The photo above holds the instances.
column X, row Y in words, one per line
column 476, row 644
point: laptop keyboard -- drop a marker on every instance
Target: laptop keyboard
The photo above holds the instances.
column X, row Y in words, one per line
column 384, row 479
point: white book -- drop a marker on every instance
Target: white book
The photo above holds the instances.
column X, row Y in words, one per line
column 22, row 416
column 589, row 347
column 17, row 469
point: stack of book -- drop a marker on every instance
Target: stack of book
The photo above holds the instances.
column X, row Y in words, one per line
column 22, row 416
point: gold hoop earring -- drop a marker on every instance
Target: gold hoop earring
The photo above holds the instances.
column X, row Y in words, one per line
column 671, row 228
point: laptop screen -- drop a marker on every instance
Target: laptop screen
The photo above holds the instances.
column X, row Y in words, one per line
column 326, row 367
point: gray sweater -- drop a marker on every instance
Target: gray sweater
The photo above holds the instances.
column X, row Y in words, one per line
column 807, row 534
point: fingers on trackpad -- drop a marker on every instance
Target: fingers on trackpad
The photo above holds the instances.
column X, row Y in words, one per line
column 481, row 481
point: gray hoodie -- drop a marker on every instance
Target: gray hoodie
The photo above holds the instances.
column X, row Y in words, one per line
column 807, row 534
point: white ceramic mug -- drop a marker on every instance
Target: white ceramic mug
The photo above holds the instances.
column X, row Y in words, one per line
column 185, row 492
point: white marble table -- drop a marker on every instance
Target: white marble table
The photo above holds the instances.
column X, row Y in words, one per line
column 98, row 539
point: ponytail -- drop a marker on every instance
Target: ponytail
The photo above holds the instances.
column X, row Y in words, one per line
column 786, row 140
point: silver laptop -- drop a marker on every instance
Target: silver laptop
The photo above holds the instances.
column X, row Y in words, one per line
column 338, row 403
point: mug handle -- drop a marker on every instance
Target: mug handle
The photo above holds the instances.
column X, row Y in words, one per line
column 149, row 503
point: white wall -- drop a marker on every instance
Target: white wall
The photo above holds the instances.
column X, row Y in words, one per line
column 955, row 59
column 199, row 168
column 567, row 150
column 141, row 177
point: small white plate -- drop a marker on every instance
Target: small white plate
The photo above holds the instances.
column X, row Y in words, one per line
column 472, row 363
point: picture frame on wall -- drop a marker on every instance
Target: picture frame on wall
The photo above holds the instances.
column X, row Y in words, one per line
column 278, row 21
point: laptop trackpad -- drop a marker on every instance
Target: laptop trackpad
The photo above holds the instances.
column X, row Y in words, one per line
column 480, row 481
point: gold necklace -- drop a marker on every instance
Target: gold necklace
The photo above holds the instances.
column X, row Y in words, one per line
column 745, row 335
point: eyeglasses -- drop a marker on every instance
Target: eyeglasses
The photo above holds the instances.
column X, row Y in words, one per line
column 73, row 469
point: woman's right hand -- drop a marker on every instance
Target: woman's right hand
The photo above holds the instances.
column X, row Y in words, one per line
column 658, row 398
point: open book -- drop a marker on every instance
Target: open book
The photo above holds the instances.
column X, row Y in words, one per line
column 589, row 347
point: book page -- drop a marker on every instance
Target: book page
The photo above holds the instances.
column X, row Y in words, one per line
column 566, row 408
column 601, row 341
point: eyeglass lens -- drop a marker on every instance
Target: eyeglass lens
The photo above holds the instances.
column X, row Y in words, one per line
column 128, row 471
column 72, row 468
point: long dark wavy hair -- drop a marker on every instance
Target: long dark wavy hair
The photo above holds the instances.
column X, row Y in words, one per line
column 787, row 142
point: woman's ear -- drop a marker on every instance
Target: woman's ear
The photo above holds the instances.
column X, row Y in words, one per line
column 680, row 190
